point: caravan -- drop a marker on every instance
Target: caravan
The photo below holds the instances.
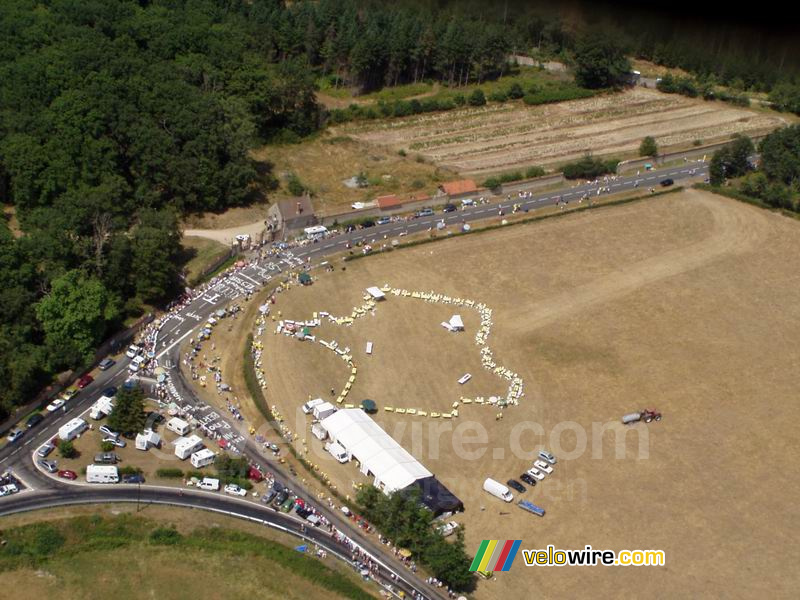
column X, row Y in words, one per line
column 72, row 429
column 178, row 426
column 102, row 474
column 185, row 447
column 203, row 457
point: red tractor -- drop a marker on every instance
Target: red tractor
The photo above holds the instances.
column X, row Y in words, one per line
column 649, row 414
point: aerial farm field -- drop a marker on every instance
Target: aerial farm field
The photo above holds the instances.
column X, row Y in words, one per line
column 500, row 137
column 688, row 303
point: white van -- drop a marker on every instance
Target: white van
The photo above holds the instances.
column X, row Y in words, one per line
column 102, row 474
column 497, row 489
column 210, row 484
column 136, row 364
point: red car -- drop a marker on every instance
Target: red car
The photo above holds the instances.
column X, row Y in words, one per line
column 68, row 474
column 84, row 381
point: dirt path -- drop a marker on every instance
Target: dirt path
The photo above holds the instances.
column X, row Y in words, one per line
column 226, row 236
column 737, row 229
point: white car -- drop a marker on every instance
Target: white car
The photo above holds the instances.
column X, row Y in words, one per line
column 543, row 466
column 9, row 489
column 117, row 442
column 15, row 435
column 55, row 405
column 357, row 205
column 136, row 364
column 235, row 490
column 448, row 528
column 108, row 432
column 133, row 351
column 535, row 473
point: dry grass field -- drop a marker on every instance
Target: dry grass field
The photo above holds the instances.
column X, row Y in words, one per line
column 140, row 570
column 689, row 303
column 500, row 137
column 324, row 163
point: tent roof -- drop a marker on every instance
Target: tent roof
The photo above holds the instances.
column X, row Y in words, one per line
column 375, row 449
column 437, row 497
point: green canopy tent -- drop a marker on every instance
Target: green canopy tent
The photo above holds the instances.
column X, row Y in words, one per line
column 369, row 406
column 305, row 278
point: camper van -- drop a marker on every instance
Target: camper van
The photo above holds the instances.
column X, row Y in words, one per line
column 497, row 489
column 102, row 474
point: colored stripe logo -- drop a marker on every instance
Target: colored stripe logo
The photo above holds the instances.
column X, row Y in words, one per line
column 495, row 555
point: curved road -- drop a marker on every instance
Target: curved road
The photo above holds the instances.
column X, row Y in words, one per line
column 180, row 324
column 147, row 495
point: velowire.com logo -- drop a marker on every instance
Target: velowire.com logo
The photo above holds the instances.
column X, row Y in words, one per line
column 495, row 555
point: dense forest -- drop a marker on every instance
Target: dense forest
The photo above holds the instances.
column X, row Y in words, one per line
column 117, row 117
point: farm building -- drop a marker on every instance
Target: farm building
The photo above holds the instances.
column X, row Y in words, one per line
column 292, row 215
column 389, row 202
column 457, row 188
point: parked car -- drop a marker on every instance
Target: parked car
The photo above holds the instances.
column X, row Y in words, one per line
column 70, row 393
column 110, row 391
column 235, row 490
column 666, row 182
column 449, row 208
column 447, row 528
column 269, row 496
column 9, row 489
column 383, row 221
column 133, row 351
column 49, row 465
column 55, row 405
column 425, row 212
column 117, row 442
column 46, row 449
column 133, row 478
column 287, row 505
column 535, row 473
column 528, row 479
column 108, row 432
column 84, row 381
column 281, row 497
column 106, row 458
column 106, row 364
column 543, row 466
column 67, row 474
column 546, row 456
column 15, row 435
column 34, row 420
column 513, row 483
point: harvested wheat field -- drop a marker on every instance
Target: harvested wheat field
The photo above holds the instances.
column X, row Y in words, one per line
column 686, row 303
column 500, row 137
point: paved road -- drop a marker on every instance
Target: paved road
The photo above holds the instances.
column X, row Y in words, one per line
column 145, row 496
column 179, row 326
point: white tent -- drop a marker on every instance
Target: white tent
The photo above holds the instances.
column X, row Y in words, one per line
column 377, row 452
column 376, row 293
column 456, row 324
column 147, row 439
